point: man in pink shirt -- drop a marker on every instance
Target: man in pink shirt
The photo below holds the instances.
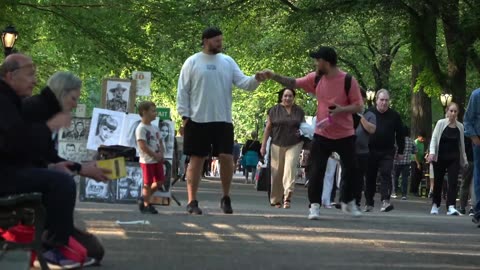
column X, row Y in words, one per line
column 334, row 131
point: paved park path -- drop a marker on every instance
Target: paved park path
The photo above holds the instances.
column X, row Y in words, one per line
column 258, row 236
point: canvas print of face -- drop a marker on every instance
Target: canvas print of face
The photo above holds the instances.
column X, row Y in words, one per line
column 117, row 96
column 75, row 151
column 105, row 128
column 128, row 135
column 92, row 190
column 130, row 187
column 167, row 134
column 78, row 130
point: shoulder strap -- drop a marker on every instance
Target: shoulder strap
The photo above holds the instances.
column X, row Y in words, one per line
column 317, row 80
column 348, row 83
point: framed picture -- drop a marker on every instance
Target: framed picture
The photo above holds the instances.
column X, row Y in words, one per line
column 75, row 151
column 167, row 134
column 119, row 95
column 105, row 129
column 91, row 190
column 129, row 189
column 78, row 130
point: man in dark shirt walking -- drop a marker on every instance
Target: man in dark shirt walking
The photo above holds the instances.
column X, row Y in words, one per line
column 382, row 151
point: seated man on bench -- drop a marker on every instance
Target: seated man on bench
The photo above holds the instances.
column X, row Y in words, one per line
column 20, row 148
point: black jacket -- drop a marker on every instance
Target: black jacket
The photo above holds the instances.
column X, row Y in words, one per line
column 39, row 109
column 389, row 129
column 21, row 142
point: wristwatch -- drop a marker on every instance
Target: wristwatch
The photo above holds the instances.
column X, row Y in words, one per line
column 75, row 168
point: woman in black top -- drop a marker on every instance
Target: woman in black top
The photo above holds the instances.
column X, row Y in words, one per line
column 447, row 152
column 283, row 124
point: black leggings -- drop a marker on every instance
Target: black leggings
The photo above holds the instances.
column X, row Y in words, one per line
column 439, row 169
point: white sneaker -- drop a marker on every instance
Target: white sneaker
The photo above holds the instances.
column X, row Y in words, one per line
column 386, row 206
column 452, row 211
column 351, row 208
column 314, row 211
column 434, row 210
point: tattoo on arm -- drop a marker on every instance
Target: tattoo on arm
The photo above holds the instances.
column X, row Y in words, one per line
column 285, row 81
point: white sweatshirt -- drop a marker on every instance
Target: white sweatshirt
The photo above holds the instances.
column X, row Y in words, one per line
column 205, row 87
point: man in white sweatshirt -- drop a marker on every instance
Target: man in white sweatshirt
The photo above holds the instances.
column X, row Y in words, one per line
column 204, row 100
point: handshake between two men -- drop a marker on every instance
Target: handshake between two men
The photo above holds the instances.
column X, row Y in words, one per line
column 264, row 75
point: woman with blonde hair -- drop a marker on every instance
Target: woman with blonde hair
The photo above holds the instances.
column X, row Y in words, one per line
column 447, row 152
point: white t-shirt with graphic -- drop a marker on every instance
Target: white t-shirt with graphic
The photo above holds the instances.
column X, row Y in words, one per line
column 151, row 135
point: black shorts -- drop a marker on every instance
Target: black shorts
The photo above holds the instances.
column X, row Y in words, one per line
column 201, row 139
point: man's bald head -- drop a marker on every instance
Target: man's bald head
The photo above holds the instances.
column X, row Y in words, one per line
column 18, row 71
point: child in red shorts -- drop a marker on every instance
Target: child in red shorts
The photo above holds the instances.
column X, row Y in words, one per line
column 151, row 152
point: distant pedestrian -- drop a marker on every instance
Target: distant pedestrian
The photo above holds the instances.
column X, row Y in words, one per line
column 382, row 151
column 447, row 152
column 402, row 166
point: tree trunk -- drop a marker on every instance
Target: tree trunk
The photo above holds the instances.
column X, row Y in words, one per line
column 457, row 53
column 423, row 35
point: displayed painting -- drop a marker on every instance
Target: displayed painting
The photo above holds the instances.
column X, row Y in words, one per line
column 119, row 95
column 91, row 190
column 105, row 128
column 167, row 134
column 72, row 141
column 78, row 130
column 75, row 151
column 130, row 187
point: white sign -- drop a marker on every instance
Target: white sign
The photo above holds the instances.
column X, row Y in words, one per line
column 143, row 79
column 81, row 110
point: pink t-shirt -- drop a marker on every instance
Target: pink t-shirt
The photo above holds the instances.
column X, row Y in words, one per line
column 331, row 91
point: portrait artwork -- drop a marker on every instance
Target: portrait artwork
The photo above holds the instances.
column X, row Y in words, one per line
column 129, row 188
column 105, row 128
column 167, row 135
column 119, row 95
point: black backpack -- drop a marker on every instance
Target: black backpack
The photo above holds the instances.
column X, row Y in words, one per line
column 348, row 85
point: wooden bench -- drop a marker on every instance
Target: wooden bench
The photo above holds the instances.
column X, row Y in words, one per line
column 26, row 209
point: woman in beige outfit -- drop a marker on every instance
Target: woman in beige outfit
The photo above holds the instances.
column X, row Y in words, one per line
column 283, row 123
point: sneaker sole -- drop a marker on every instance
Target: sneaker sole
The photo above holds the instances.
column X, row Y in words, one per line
column 313, row 217
column 51, row 266
column 389, row 208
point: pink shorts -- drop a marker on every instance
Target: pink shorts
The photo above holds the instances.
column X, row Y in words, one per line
column 152, row 173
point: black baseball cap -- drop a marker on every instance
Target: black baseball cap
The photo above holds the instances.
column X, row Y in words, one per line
column 211, row 32
column 326, row 53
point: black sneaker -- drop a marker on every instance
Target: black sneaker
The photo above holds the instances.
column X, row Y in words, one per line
column 471, row 212
column 462, row 211
column 226, row 205
column 192, row 208
column 149, row 210
column 141, row 205
column 476, row 221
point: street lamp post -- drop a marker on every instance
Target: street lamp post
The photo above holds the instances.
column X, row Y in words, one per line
column 370, row 96
column 445, row 98
column 9, row 36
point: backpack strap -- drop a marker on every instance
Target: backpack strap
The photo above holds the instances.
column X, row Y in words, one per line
column 317, row 80
column 348, row 83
